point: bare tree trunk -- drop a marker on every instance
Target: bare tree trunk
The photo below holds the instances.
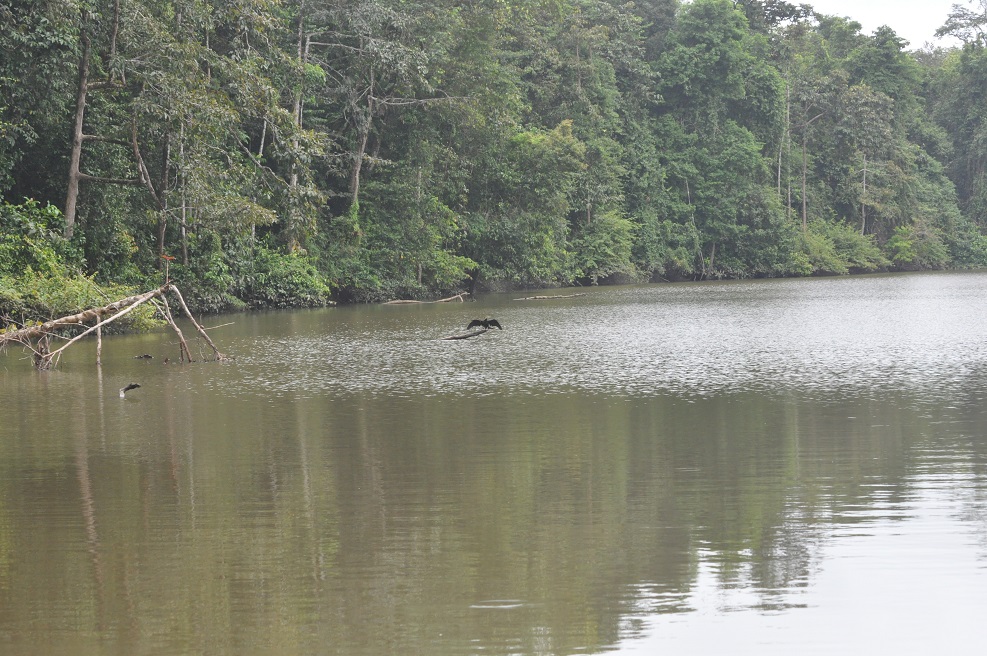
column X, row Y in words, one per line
column 785, row 151
column 297, row 116
column 52, row 357
column 163, row 186
column 784, row 135
column 181, row 181
column 116, row 28
column 144, row 173
column 199, row 329
column 863, row 201
column 75, row 159
column 183, row 350
column 302, row 57
column 78, row 133
column 363, row 136
column 805, row 204
column 361, row 151
column 805, row 167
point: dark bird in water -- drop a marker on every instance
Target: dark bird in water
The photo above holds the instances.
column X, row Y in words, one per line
column 124, row 390
column 146, row 356
column 486, row 323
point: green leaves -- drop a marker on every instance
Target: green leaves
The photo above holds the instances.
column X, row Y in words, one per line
column 603, row 248
column 832, row 247
column 404, row 147
column 31, row 239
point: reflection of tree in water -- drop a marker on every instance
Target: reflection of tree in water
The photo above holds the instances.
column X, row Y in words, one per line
column 764, row 487
column 969, row 454
column 379, row 525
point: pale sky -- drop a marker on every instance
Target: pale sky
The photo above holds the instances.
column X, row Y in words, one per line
column 916, row 21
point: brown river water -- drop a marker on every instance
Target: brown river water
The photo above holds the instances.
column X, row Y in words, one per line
column 759, row 467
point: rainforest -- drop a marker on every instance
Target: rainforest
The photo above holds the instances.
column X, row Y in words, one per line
column 291, row 153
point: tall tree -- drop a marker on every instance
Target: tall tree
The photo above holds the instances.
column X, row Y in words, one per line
column 178, row 84
column 967, row 25
column 962, row 110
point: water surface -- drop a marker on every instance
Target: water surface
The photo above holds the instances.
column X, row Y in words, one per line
column 763, row 467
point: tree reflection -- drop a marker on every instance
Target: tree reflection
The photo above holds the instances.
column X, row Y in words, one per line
column 506, row 524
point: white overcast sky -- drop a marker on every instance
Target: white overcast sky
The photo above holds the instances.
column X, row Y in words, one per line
column 916, row 21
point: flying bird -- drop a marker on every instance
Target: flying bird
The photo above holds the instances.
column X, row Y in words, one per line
column 124, row 390
column 486, row 323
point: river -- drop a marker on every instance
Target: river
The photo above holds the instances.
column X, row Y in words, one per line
column 754, row 467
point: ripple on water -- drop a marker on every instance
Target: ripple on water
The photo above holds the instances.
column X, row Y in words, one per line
column 803, row 336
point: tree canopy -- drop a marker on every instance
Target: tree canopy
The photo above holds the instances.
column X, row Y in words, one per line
column 286, row 152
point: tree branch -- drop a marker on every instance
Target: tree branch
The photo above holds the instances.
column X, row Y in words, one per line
column 96, row 137
column 120, row 181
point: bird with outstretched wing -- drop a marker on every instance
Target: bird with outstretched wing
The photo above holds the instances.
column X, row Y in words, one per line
column 485, row 323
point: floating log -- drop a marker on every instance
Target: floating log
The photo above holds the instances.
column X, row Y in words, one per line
column 457, row 297
column 475, row 333
column 547, row 298
column 38, row 336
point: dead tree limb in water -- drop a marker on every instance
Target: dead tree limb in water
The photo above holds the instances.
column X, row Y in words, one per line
column 475, row 333
column 41, row 329
column 37, row 337
column 457, row 297
column 52, row 357
column 200, row 329
column 165, row 311
column 547, row 298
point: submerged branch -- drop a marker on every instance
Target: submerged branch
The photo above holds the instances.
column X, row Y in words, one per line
column 36, row 337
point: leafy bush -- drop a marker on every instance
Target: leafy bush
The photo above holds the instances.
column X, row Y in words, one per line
column 603, row 247
column 967, row 243
column 37, row 271
column 820, row 256
column 37, row 296
column 917, row 246
column 834, row 247
column 31, row 237
column 272, row 279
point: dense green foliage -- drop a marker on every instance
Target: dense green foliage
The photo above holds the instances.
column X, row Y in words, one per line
column 287, row 152
column 38, row 270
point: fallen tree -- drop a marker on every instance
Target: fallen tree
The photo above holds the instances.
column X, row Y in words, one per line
column 547, row 298
column 458, row 297
column 475, row 333
column 38, row 337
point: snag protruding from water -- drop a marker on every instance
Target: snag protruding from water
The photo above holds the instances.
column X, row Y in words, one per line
column 475, row 333
column 485, row 325
column 38, row 337
column 461, row 296
column 124, row 390
column 547, row 298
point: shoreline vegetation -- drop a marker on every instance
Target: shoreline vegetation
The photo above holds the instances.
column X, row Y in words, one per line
column 302, row 154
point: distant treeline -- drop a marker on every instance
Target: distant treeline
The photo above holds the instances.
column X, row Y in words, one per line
column 289, row 152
